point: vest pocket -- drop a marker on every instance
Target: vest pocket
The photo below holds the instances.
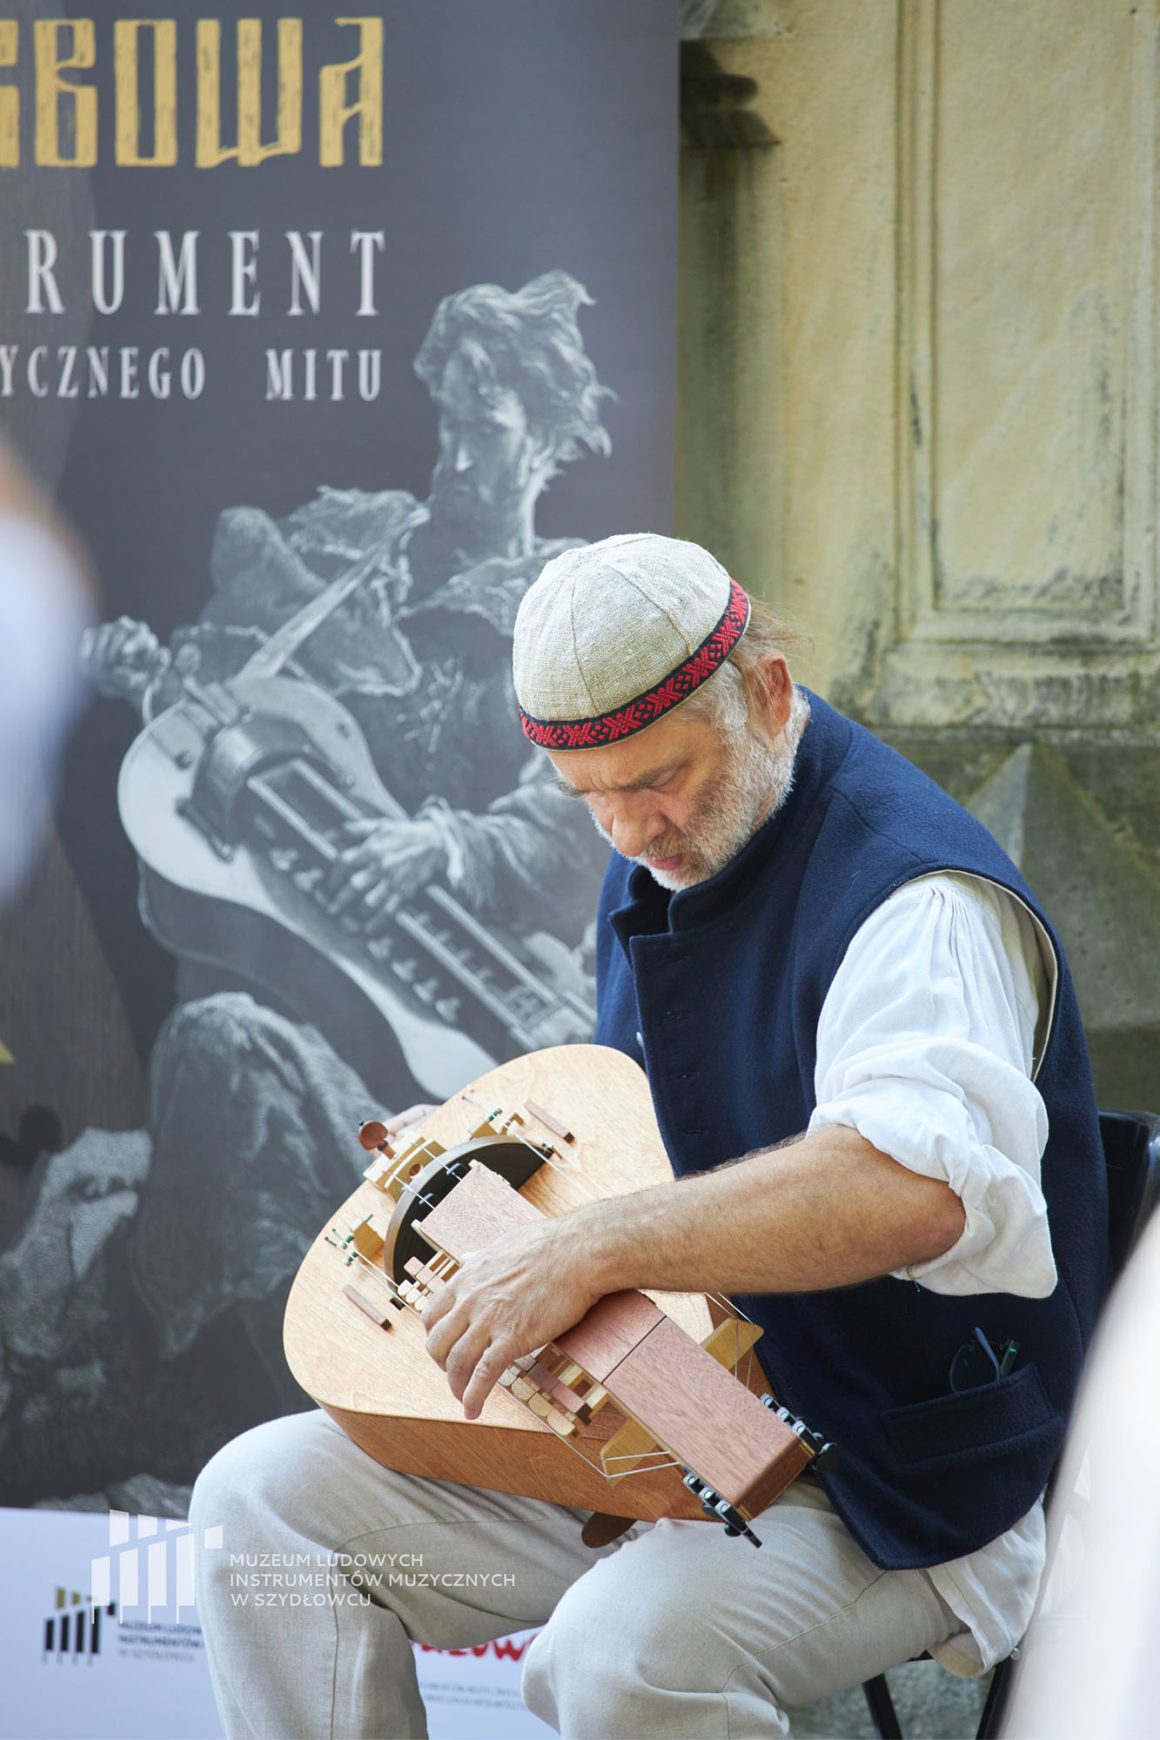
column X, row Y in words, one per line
column 972, row 1420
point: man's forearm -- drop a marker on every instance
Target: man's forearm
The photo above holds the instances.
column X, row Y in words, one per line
column 827, row 1211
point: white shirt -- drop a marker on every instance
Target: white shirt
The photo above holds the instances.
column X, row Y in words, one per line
column 928, row 1043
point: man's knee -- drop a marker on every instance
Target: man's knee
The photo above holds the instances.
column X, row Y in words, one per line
column 562, row 1643
column 618, row 1630
column 223, row 1493
column 253, row 1480
column 218, row 1520
column 672, row 1619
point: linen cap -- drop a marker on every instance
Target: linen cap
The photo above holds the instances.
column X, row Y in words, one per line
column 613, row 635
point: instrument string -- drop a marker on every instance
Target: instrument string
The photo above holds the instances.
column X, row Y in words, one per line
column 380, row 1275
column 667, row 1460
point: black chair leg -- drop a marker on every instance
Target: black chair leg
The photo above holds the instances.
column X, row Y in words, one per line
column 882, row 1711
column 991, row 1720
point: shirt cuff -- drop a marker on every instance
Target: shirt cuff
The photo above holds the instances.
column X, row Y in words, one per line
column 1005, row 1245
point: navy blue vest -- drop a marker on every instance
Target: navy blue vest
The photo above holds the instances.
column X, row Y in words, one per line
column 724, row 982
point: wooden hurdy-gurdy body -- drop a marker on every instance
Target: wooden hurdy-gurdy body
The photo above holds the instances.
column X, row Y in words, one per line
column 650, row 1406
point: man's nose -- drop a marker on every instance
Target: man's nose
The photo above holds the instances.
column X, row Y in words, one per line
column 634, row 827
column 461, row 459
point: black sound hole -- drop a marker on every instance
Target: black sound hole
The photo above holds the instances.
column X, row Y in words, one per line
column 515, row 1161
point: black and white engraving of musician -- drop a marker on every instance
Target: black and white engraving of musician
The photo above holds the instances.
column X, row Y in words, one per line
column 191, row 1229
column 419, row 652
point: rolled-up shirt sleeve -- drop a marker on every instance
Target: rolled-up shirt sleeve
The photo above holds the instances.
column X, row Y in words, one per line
column 926, row 1047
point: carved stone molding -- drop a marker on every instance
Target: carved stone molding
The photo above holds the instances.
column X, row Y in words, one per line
column 1026, row 379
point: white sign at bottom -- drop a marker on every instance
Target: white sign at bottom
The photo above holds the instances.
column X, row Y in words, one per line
column 474, row 1694
column 130, row 1665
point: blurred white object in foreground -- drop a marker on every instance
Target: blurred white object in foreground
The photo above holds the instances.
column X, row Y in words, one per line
column 44, row 608
column 1091, row 1660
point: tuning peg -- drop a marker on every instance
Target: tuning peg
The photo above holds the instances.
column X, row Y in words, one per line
column 374, row 1135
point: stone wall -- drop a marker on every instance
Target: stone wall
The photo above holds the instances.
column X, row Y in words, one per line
column 919, row 412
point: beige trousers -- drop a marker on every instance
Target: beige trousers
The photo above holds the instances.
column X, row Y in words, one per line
column 679, row 1631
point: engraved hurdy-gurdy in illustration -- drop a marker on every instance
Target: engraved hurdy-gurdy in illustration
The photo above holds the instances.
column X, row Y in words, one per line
column 235, row 799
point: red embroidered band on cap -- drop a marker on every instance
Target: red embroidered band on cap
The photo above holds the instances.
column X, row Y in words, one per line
column 647, row 708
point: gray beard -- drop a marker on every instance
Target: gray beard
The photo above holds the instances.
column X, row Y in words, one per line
column 753, row 785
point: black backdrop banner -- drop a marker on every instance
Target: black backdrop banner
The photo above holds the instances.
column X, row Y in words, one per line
column 327, row 332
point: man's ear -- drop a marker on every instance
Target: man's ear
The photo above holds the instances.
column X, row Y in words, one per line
column 773, row 692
